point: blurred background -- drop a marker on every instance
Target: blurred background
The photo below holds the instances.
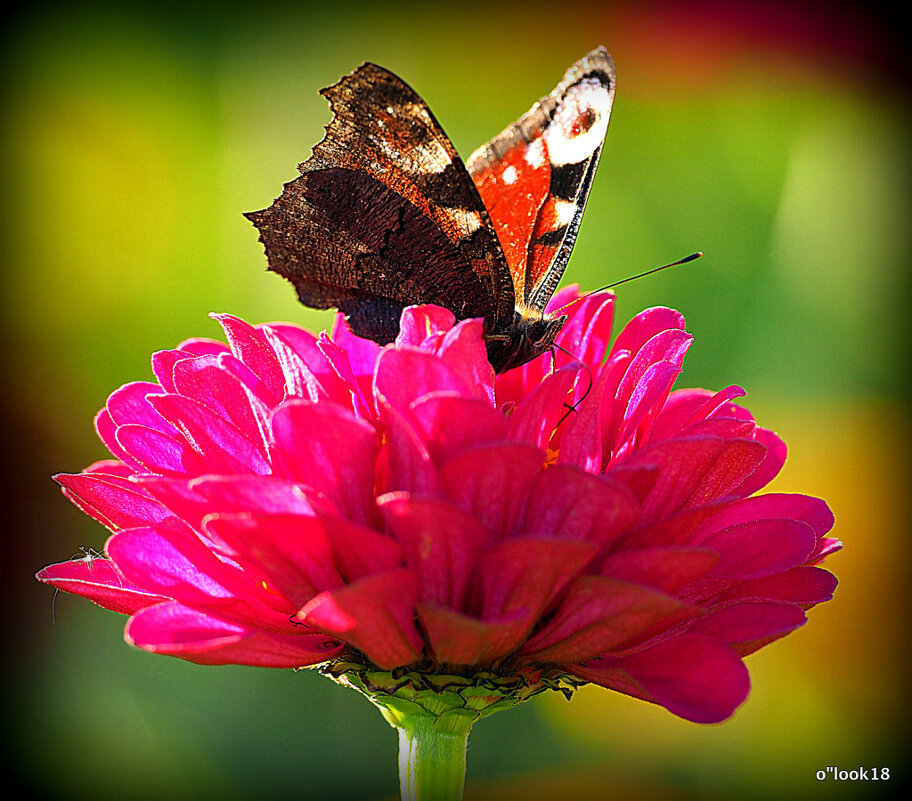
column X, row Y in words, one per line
column 771, row 135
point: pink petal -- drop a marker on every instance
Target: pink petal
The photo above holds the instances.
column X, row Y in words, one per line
column 450, row 425
column 663, row 568
column 360, row 551
column 490, row 482
column 526, row 573
column 645, row 326
column 223, row 447
column 375, row 615
column 441, row 544
column 760, row 548
column 163, row 362
column 599, row 615
column 99, row 581
column 292, row 552
column 405, row 376
column 418, row 323
column 170, row 561
column 406, row 462
column 535, row 416
column 692, row 676
column 564, row 502
column 743, row 623
column 457, row 639
column 107, row 433
column 111, row 500
column 464, row 349
column 692, row 471
column 300, row 379
column 251, row 347
column 330, row 450
column 218, row 382
column 803, row 585
column 130, row 404
column 159, row 453
column 175, row 630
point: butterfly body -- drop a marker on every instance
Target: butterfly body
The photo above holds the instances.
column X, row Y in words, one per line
column 385, row 214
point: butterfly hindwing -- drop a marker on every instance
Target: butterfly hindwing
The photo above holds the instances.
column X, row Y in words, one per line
column 535, row 176
column 385, row 215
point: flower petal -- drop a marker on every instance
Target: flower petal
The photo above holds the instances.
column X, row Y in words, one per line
column 375, row 615
column 100, row 581
column 695, row 677
column 599, row 615
column 441, row 544
column 176, row 630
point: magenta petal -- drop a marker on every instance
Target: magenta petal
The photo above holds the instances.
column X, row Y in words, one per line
column 458, row 639
column 292, row 552
column 360, row 551
column 176, row 630
column 130, row 404
column 450, row 425
column 525, row 573
column 251, row 347
column 106, row 429
column 695, row 677
column 441, row 544
column 463, row 347
column 599, row 615
column 300, row 379
column 692, row 471
column 812, row 511
column 582, row 441
column 171, row 561
column 490, row 482
column 218, row 383
column 769, row 468
column 663, row 568
column 407, row 464
column 567, row 502
column 418, row 323
column 802, row 585
column 405, row 376
column 158, row 452
column 327, row 448
column 222, row 446
column 110, row 500
column 742, row 623
column 761, row 548
column 375, row 615
column 535, row 417
column 100, row 582
column 645, row 326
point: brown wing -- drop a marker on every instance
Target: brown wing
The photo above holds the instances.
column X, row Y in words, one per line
column 535, row 176
column 385, row 214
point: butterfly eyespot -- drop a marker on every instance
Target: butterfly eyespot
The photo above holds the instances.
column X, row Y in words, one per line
column 385, row 214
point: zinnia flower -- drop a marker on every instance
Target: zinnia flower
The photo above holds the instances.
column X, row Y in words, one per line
column 445, row 541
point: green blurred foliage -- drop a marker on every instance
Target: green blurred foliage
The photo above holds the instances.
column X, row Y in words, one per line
column 134, row 137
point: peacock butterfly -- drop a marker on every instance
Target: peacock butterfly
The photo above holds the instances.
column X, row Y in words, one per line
column 385, row 214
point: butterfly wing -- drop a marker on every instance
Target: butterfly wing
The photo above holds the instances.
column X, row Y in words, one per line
column 535, row 176
column 384, row 214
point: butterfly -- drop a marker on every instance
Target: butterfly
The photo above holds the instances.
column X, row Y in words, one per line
column 385, row 214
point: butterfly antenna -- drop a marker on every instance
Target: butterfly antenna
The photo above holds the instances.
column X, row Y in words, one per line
column 686, row 259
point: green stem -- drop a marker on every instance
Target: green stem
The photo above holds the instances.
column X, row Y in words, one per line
column 432, row 756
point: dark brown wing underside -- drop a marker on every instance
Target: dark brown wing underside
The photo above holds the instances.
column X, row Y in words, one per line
column 348, row 241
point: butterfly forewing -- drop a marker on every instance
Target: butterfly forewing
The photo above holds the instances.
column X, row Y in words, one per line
column 385, row 214
column 534, row 177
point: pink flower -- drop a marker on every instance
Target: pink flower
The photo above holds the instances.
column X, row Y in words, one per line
column 288, row 500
